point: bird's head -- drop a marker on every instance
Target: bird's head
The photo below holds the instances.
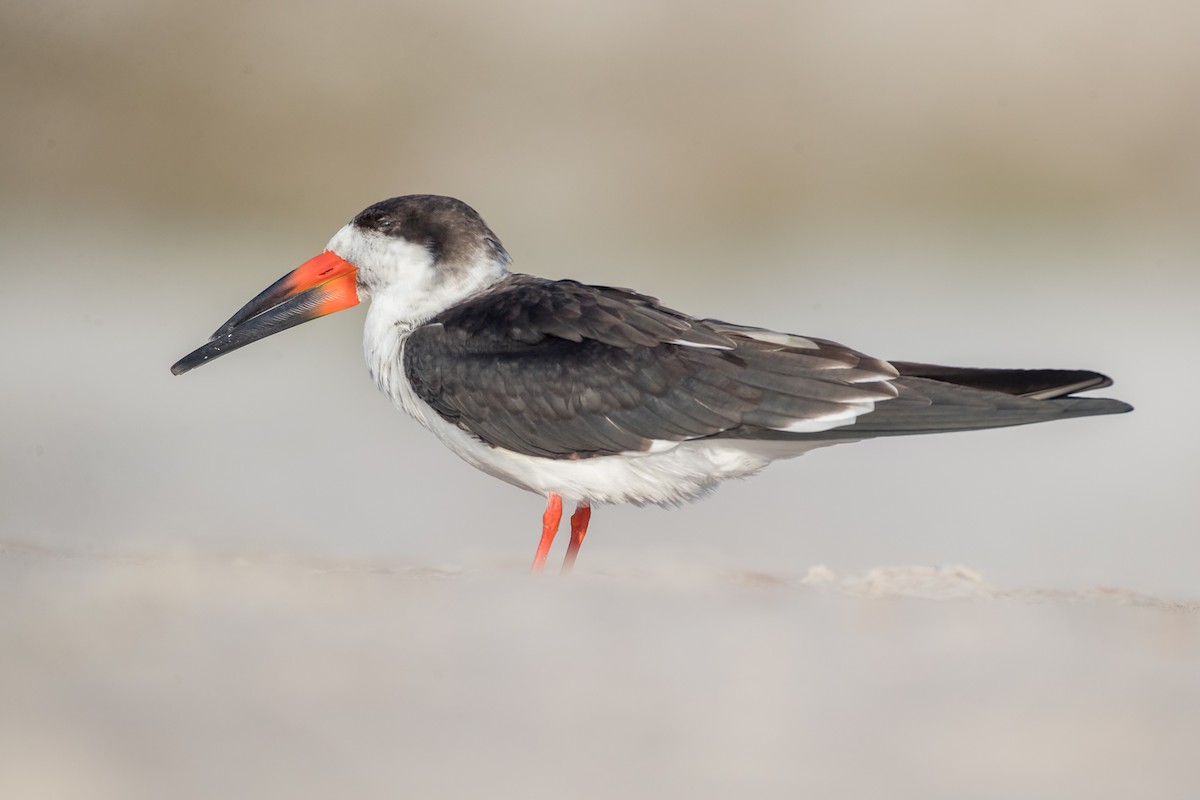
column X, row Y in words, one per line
column 416, row 255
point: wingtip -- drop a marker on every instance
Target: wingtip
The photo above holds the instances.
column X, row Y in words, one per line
column 1095, row 406
column 187, row 363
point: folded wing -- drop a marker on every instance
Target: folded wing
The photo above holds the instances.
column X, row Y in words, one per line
column 560, row 369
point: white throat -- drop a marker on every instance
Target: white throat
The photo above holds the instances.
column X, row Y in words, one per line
column 405, row 287
column 402, row 280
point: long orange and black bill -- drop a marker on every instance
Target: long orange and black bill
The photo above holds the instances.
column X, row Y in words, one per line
column 320, row 286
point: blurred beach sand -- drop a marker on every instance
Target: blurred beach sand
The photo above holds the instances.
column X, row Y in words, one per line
column 190, row 675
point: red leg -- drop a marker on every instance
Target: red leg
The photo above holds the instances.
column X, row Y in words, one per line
column 579, row 525
column 550, row 521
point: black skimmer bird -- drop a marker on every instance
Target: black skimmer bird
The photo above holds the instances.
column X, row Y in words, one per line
column 601, row 395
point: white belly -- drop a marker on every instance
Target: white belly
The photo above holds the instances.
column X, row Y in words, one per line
column 671, row 475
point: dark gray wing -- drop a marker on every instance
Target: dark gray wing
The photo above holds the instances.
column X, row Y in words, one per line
column 560, row 369
column 935, row 399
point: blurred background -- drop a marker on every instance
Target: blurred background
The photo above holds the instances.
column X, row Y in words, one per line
column 261, row 579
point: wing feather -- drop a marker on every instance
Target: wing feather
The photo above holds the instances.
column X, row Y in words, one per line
column 560, row 369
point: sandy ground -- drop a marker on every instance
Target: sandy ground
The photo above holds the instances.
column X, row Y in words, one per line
column 188, row 675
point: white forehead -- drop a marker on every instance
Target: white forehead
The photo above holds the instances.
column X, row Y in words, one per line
column 375, row 252
column 406, row 278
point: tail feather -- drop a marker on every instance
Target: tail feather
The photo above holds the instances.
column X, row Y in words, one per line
column 925, row 405
column 932, row 399
column 1037, row 384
